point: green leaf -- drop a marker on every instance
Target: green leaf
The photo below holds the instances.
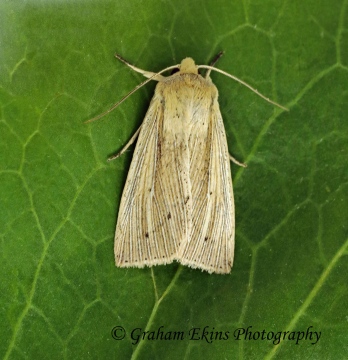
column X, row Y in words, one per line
column 61, row 294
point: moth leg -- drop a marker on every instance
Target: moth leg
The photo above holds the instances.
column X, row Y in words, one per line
column 124, row 149
column 216, row 58
column 145, row 73
column 236, row 161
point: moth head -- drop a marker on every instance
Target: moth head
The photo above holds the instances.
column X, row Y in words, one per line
column 188, row 66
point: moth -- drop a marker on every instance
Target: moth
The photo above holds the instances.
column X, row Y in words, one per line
column 177, row 203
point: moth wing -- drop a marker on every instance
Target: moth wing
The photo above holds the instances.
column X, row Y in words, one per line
column 150, row 220
column 211, row 244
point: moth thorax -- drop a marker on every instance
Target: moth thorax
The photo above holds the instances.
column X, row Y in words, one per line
column 188, row 66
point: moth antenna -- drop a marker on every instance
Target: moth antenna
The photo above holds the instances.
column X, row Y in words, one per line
column 113, row 107
column 243, row 83
column 215, row 60
column 145, row 73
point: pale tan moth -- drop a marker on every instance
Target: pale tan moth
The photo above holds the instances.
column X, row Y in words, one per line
column 177, row 203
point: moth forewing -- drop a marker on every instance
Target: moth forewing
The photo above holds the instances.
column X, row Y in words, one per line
column 151, row 218
column 142, row 238
column 211, row 246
